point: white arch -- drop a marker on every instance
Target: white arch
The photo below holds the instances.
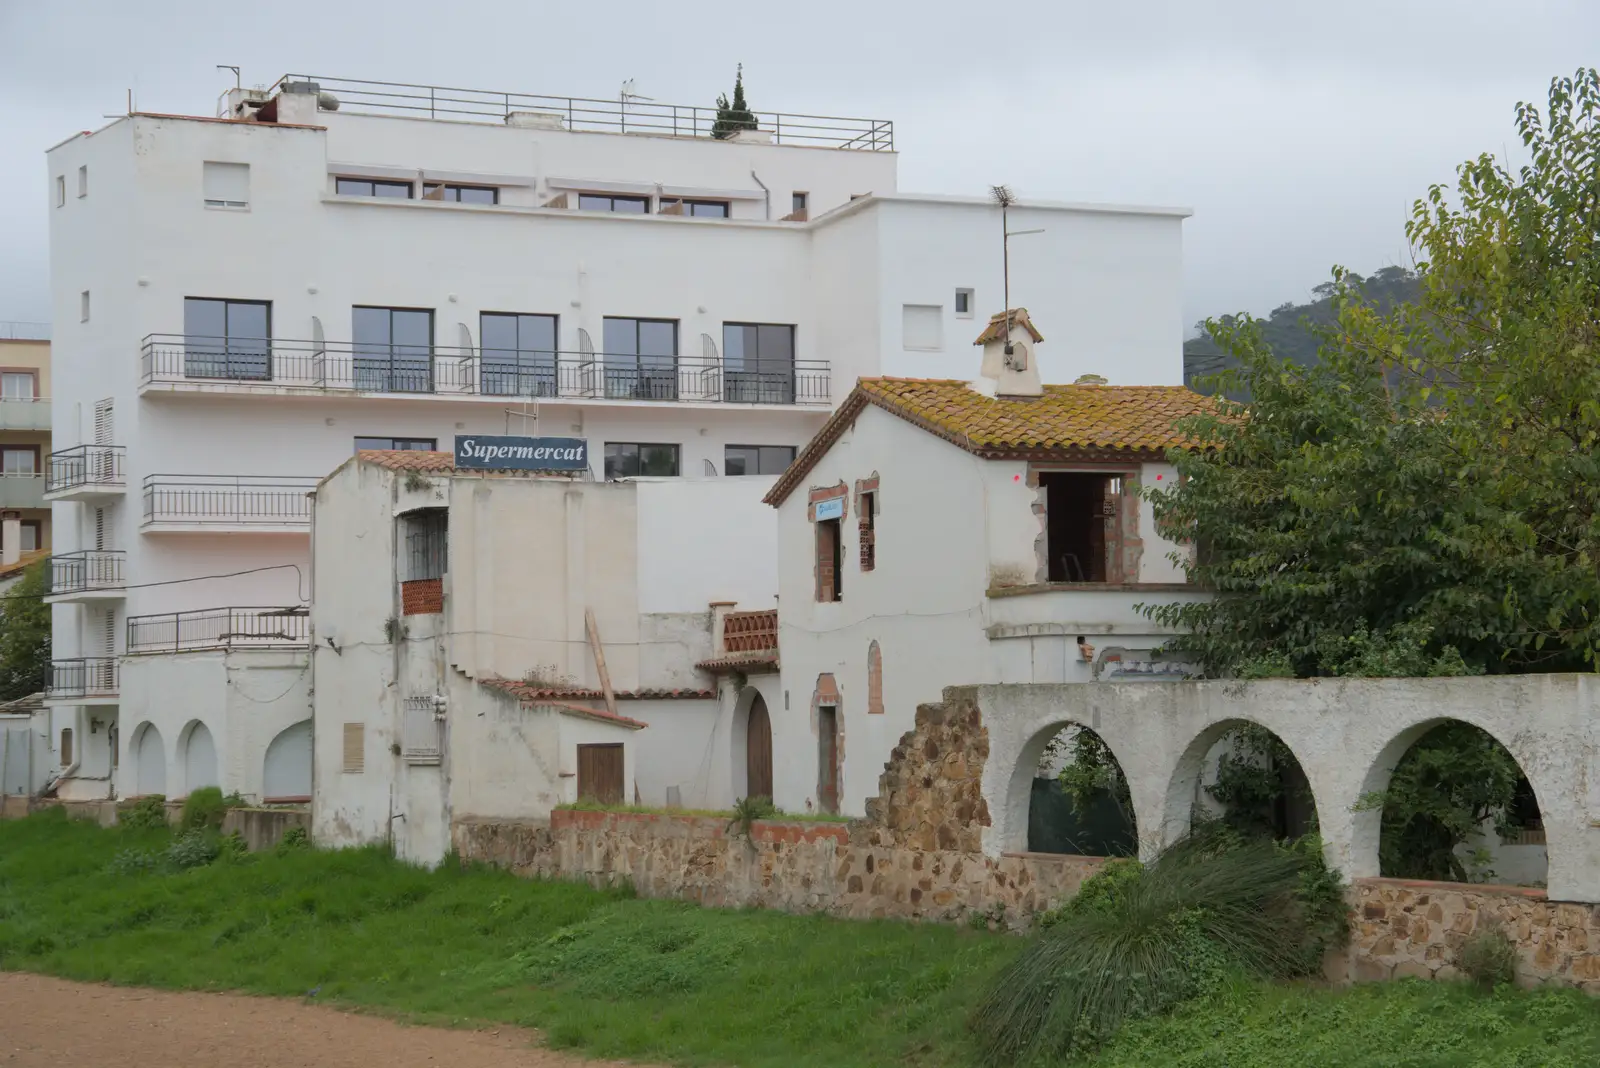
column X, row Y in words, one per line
column 1019, row 785
column 199, row 755
column 286, row 769
column 149, row 761
column 1183, row 787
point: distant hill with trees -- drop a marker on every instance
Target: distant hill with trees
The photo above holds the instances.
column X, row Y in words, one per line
column 1290, row 327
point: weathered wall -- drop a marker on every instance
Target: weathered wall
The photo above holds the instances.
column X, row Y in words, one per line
column 263, row 828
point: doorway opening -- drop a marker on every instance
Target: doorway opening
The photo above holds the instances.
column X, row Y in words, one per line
column 1081, row 525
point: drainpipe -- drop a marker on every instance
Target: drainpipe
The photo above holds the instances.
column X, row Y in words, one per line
column 765, row 190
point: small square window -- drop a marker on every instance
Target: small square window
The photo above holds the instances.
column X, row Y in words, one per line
column 61, row 190
column 83, row 306
column 225, row 185
column 922, row 327
column 963, row 304
column 83, row 180
column 798, row 203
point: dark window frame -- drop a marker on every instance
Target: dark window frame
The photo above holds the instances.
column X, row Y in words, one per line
column 799, row 201
column 758, row 449
column 427, row 543
column 395, row 444
column 638, row 448
column 240, row 357
column 636, row 375
column 392, row 371
column 373, row 185
column 612, row 199
column 833, row 529
column 867, row 530
column 37, row 526
column 690, row 203
column 761, row 379
column 457, row 189
column 528, row 372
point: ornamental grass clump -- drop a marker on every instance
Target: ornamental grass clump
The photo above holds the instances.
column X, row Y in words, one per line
column 1151, row 937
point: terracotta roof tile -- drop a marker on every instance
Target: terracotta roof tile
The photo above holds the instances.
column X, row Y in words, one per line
column 744, row 632
column 1067, row 421
column 745, row 662
column 593, row 713
column 532, row 691
column 23, row 562
column 409, row 459
column 995, row 331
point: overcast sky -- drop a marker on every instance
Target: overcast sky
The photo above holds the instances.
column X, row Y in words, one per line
column 1298, row 133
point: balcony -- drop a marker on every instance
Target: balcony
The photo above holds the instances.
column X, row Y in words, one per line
column 85, row 473
column 179, row 504
column 93, row 680
column 633, row 115
column 86, row 576
column 220, row 628
column 22, row 490
column 175, row 363
column 31, row 413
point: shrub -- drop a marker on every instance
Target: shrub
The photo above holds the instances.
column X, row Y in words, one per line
column 294, row 838
column 1489, row 958
column 747, row 810
column 205, row 807
column 1098, row 893
column 148, row 813
column 192, row 849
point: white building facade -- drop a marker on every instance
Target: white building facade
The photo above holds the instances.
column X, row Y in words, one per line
column 241, row 301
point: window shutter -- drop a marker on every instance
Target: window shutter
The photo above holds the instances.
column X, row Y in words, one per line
column 227, row 185
column 922, row 327
column 104, row 423
column 99, row 528
column 111, row 631
column 355, row 748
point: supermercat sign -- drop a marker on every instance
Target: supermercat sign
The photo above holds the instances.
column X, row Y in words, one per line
column 499, row 452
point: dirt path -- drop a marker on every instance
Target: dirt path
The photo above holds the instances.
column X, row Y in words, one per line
column 52, row 1022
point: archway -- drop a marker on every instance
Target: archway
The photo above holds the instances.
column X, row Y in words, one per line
column 758, row 750
column 199, row 758
column 286, row 770
column 1079, row 801
column 1242, row 774
column 1454, row 805
column 149, row 762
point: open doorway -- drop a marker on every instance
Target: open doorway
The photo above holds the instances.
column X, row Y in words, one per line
column 1081, row 525
column 828, row 758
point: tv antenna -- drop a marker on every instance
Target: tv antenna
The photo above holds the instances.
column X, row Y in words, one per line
column 627, row 95
column 1003, row 196
column 236, row 82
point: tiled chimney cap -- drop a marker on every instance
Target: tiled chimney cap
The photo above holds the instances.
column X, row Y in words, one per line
column 996, row 330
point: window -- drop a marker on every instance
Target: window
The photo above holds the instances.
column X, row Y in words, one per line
column 462, row 194
column 963, row 304
column 758, row 363
column 426, row 547
column 19, row 460
column 61, row 190
column 19, row 385
column 607, row 202
column 83, row 306
column 867, row 528
column 922, row 327
column 641, row 359
column 225, row 185
column 625, row 459
column 66, row 746
column 83, row 180
column 371, row 187
column 798, row 202
column 1082, row 526
column 32, row 535
column 227, row 338
column 393, row 349
column 519, row 354
column 830, row 555
column 397, row 444
column 704, row 209
column 355, row 748
column 756, row 459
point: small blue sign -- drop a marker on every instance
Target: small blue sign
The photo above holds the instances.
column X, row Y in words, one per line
column 832, row 508
column 501, row 452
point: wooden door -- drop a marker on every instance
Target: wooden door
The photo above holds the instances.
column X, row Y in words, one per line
column 828, row 758
column 600, row 773
column 758, row 751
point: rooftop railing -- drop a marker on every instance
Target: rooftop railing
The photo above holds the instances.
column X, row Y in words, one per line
column 227, row 501
column 629, row 115
column 257, row 365
column 220, row 628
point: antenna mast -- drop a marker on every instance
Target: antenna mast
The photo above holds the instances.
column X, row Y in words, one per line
column 1003, row 196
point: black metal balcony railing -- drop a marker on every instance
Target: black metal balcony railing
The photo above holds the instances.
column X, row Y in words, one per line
column 90, row 569
column 220, row 628
column 93, row 676
column 85, row 465
column 627, row 115
column 227, row 500
column 327, row 367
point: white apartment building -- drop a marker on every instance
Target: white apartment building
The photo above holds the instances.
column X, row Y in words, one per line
column 243, row 300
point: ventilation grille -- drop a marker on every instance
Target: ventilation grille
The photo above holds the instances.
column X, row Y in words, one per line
column 355, row 748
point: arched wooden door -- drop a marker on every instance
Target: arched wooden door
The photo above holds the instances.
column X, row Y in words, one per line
column 758, row 751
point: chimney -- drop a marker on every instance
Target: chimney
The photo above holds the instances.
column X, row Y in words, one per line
column 1009, row 368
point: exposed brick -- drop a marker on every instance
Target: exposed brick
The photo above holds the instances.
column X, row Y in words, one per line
column 422, row 597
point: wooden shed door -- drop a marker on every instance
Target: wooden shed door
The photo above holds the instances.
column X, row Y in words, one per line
column 600, row 773
column 828, row 758
column 758, row 751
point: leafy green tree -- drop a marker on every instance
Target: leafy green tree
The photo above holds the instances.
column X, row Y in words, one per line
column 25, row 634
column 736, row 115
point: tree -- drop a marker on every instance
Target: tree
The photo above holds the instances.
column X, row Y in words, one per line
column 25, row 635
column 734, row 116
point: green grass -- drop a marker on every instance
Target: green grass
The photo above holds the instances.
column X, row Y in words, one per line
column 662, row 981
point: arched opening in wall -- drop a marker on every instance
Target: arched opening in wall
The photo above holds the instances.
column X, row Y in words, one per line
column 149, row 762
column 1240, row 776
column 1079, row 802
column 286, row 770
column 199, row 758
column 1458, row 808
column 758, row 750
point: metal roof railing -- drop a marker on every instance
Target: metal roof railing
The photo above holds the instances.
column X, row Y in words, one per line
column 582, row 113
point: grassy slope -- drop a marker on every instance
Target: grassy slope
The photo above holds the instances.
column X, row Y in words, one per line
column 662, row 980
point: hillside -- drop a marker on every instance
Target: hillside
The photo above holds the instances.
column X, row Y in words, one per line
column 1287, row 329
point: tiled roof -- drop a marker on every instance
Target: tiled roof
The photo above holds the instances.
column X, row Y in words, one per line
column 594, row 713
column 745, row 632
column 996, row 331
column 532, row 691
column 745, row 662
column 23, row 562
column 1076, row 421
column 409, row 459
